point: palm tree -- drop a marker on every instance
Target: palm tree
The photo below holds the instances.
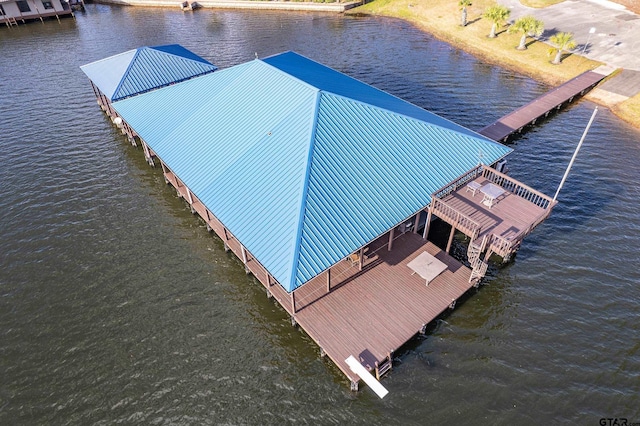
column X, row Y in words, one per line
column 497, row 14
column 463, row 7
column 562, row 41
column 529, row 27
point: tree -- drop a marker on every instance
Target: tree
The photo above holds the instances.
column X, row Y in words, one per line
column 463, row 7
column 497, row 14
column 529, row 27
column 562, row 42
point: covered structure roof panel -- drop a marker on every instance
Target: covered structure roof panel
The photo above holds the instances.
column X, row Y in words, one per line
column 144, row 69
column 302, row 164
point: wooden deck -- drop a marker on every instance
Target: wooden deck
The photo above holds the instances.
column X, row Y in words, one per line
column 505, row 223
column 33, row 16
column 375, row 311
column 508, row 217
column 515, row 121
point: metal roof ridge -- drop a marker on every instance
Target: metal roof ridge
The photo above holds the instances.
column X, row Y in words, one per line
column 303, row 199
column 126, row 73
column 293, row 77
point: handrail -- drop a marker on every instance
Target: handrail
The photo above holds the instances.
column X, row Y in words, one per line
column 501, row 245
column 457, row 183
column 461, row 220
column 517, row 188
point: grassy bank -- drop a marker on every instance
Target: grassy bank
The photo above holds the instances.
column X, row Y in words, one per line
column 442, row 19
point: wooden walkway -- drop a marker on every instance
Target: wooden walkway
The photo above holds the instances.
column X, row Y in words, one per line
column 374, row 312
column 515, row 121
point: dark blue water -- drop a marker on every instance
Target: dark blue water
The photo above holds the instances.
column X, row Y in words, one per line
column 116, row 305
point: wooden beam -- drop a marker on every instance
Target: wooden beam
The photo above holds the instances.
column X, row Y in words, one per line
column 453, row 231
column 293, row 301
column 329, row 280
column 427, row 224
column 390, row 239
column 487, row 255
column 226, row 238
column 416, row 222
column 361, row 259
column 244, row 258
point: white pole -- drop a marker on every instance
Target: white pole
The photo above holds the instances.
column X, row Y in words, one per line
column 575, row 154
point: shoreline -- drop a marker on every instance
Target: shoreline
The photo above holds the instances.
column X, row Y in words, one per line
column 441, row 21
column 282, row 5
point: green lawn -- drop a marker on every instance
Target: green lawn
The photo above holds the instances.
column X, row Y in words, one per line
column 442, row 19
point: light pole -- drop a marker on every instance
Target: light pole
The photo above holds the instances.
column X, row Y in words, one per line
column 591, row 31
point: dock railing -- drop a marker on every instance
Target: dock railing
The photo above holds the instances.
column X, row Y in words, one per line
column 461, row 181
column 455, row 217
column 518, row 188
column 508, row 183
column 504, row 247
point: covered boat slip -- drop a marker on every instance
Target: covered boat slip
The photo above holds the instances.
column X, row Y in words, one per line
column 295, row 167
column 373, row 302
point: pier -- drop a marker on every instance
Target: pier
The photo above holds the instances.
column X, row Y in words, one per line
column 514, row 122
column 331, row 221
column 371, row 303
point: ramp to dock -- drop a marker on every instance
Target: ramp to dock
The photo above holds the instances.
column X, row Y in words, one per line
column 515, row 121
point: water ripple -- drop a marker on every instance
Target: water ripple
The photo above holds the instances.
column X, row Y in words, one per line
column 116, row 305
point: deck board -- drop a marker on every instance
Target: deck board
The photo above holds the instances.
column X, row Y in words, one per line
column 379, row 310
column 513, row 122
column 508, row 216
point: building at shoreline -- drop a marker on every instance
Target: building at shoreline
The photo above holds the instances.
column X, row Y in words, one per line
column 14, row 11
column 325, row 187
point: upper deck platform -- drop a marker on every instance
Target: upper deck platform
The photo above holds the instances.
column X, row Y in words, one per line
column 504, row 219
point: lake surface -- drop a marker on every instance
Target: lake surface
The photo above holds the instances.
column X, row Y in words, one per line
column 116, row 305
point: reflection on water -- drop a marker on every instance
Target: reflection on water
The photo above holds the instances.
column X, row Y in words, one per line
column 116, row 305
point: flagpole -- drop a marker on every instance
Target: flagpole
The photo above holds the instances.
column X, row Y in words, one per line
column 575, row 154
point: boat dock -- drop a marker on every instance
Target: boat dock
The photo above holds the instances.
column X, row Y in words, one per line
column 311, row 211
column 515, row 121
column 373, row 302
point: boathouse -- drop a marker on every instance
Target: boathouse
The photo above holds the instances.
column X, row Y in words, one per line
column 139, row 71
column 324, row 187
column 12, row 11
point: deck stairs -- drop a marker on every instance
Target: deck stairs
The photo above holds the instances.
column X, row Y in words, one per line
column 384, row 367
column 10, row 21
column 478, row 266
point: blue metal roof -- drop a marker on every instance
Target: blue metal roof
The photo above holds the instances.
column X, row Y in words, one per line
column 299, row 165
column 143, row 69
column 330, row 80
